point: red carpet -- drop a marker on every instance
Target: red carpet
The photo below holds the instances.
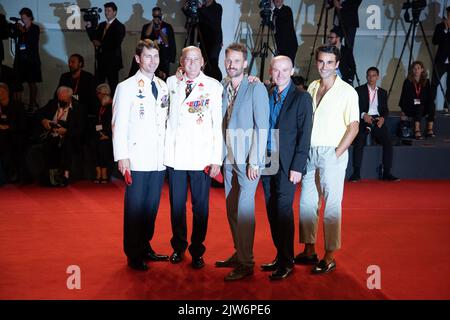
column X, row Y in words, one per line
column 401, row 227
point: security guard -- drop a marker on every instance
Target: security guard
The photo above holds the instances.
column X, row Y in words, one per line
column 140, row 108
column 193, row 150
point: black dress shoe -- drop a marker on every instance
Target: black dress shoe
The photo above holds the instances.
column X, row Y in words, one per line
column 390, row 177
column 270, row 266
column 301, row 258
column 137, row 264
column 323, row 267
column 176, row 257
column 281, row 273
column 354, row 178
column 153, row 256
column 231, row 262
column 238, row 273
column 197, row 262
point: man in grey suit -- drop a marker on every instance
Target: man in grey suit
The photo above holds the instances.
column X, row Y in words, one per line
column 245, row 128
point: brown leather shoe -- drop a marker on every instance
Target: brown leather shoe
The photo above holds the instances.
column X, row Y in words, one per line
column 238, row 273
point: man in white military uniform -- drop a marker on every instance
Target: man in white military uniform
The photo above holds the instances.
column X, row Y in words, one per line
column 193, row 143
column 140, row 109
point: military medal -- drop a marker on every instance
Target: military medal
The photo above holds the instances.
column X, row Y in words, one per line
column 141, row 111
column 140, row 88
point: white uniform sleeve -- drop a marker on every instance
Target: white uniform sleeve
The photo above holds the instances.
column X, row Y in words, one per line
column 120, row 119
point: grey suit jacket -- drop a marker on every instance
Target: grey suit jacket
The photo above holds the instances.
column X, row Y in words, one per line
column 245, row 134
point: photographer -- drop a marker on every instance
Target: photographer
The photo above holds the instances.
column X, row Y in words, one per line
column 441, row 38
column 209, row 14
column 346, row 19
column 12, row 137
column 4, row 34
column 62, row 120
column 107, row 40
column 162, row 33
column 27, row 62
column 285, row 36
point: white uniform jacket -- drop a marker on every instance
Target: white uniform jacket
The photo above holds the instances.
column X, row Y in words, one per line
column 139, row 122
column 194, row 126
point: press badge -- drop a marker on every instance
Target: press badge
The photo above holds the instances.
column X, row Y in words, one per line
column 23, row 46
column 98, row 127
column 416, row 101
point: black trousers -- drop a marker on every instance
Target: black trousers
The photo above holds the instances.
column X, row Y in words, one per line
column 141, row 207
column 441, row 69
column 279, row 195
column 199, row 183
column 382, row 136
column 104, row 72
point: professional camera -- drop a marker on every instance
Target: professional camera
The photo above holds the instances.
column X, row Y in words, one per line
column 266, row 12
column 92, row 15
column 13, row 31
column 416, row 7
column 192, row 9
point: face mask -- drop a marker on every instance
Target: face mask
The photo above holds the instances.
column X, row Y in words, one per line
column 63, row 104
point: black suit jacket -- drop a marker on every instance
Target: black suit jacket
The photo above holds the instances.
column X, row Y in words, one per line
column 110, row 51
column 285, row 32
column 442, row 40
column 74, row 123
column 85, row 91
column 295, row 125
column 4, row 34
column 363, row 94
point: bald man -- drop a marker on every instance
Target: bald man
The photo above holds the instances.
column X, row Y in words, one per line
column 193, row 143
column 291, row 124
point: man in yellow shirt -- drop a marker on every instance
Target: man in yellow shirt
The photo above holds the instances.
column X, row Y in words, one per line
column 335, row 125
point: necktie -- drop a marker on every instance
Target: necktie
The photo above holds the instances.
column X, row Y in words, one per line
column 154, row 90
column 231, row 95
column 189, row 84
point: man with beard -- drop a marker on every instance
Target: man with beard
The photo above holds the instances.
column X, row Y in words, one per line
column 81, row 82
column 245, row 109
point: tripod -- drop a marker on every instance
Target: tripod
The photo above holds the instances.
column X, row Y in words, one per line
column 319, row 24
column 195, row 37
column 262, row 46
column 412, row 30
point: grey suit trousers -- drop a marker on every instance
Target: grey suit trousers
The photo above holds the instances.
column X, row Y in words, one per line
column 240, row 203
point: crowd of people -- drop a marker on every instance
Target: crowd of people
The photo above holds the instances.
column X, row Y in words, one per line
column 193, row 128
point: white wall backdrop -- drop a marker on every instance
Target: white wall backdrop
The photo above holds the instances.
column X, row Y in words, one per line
column 379, row 39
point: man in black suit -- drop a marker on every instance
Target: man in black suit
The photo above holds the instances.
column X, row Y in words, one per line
column 62, row 120
column 285, row 36
column 107, row 40
column 291, row 118
column 346, row 19
column 373, row 110
column 441, row 38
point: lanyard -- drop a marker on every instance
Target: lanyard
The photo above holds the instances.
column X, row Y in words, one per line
column 75, row 90
column 100, row 113
column 418, row 89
